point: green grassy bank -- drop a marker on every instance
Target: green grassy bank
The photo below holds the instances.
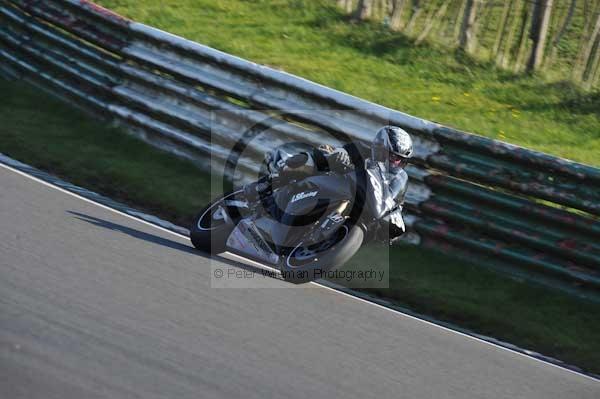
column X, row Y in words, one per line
column 43, row 132
column 313, row 39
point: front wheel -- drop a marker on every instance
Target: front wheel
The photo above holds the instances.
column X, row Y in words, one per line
column 307, row 263
column 210, row 230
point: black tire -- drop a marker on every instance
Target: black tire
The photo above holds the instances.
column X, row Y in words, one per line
column 208, row 236
column 329, row 259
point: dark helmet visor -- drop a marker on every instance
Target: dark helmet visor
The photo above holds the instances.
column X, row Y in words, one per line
column 396, row 161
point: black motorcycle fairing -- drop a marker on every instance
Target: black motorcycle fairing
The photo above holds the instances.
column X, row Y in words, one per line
column 294, row 213
column 304, row 202
column 300, row 206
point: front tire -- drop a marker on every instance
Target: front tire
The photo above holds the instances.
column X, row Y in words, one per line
column 210, row 231
column 304, row 264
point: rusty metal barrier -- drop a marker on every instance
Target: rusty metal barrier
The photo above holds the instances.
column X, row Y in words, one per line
column 521, row 212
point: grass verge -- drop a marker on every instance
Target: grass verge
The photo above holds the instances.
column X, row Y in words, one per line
column 43, row 132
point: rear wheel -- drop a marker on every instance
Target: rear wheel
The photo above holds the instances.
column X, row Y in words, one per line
column 309, row 262
column 210, row 230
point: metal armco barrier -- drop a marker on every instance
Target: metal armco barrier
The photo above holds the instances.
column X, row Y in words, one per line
column 522, row 212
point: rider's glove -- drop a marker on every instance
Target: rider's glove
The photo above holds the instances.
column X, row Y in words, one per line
column 338, row 159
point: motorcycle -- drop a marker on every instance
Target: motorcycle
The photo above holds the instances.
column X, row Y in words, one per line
column 303, row 226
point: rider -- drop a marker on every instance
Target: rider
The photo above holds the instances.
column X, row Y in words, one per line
column 391, row 149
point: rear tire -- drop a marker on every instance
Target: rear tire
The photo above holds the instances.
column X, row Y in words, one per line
column 299, row 266
column 209, row 232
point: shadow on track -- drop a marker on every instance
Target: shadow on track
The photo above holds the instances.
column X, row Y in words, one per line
column 140, row 235
column 133, row 232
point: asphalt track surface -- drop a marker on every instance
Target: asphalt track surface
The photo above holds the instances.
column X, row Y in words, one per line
column 94, row 304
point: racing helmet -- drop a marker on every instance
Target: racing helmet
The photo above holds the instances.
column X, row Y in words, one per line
column 392, row 147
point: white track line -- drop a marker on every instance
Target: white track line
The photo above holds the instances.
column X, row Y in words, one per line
column 312, row 282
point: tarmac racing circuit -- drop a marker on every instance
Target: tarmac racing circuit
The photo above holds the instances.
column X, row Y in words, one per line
column 96, row 304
